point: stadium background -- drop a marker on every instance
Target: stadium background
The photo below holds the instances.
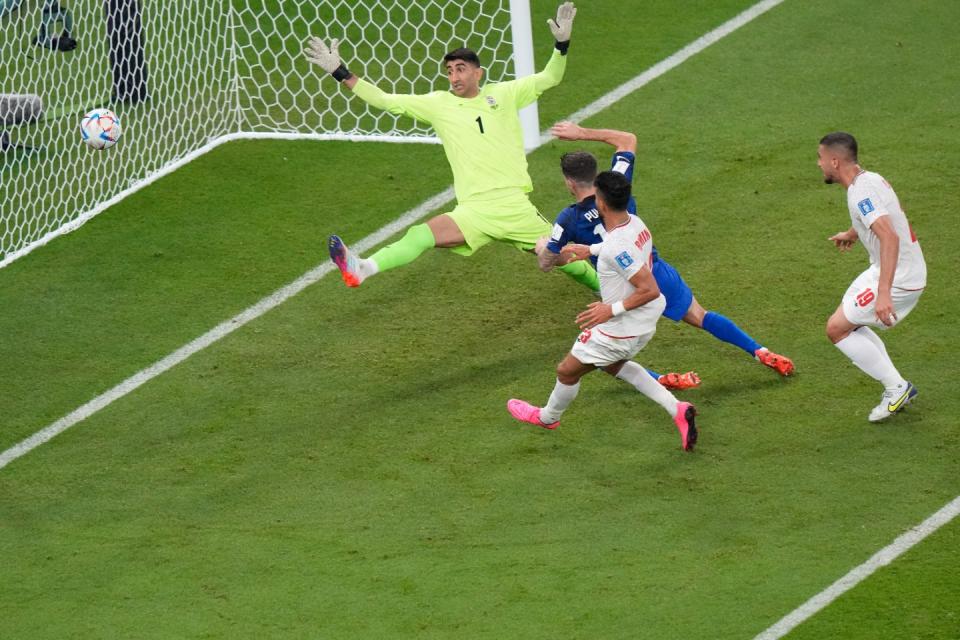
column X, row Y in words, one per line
column 344, row 466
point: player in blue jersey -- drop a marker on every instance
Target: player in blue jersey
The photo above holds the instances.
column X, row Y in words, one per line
column 579, row 224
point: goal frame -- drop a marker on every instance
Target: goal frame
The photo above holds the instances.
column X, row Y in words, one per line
column 523, row 65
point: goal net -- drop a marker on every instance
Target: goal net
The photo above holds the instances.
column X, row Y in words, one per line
column 186, row 76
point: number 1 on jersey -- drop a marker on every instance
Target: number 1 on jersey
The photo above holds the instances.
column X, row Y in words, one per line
column 480, row 123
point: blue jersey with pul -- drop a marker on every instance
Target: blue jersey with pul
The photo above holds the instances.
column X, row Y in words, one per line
column 580, row 223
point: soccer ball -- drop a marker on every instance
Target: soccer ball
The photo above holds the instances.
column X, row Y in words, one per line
column 100, row 128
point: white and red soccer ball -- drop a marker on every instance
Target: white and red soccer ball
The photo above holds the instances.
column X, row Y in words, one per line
column 100, row 128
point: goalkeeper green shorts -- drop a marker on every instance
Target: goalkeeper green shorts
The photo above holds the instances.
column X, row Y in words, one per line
column 507, row 217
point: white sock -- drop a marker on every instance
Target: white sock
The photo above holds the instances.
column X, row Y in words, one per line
column 634, row 374
column 875, row 339
column 871, row 359
column 560, row 399
column 367, row 267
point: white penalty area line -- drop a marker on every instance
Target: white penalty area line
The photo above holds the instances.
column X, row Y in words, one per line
column 860, row 573
column 401, row 223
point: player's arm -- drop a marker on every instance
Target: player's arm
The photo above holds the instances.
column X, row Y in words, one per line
column 549, row 249
column 889, row 252
column 845, row 239
column 546, row 258
column 528, row 89
column 620, row 140
column 646, row 290
column 576, row 251
column 328, row 58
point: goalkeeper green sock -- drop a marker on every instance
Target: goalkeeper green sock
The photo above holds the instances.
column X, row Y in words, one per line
column 418, row 239
column 584, row 273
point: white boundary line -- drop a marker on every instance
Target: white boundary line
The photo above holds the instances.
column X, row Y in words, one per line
column 295, row 287
column 858, row 574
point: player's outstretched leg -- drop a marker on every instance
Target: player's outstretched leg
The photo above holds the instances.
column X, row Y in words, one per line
column 355, row 269
column 418, row 239
column 583, row 272
column 725, row 329
column 676, row 381
column 682, row 412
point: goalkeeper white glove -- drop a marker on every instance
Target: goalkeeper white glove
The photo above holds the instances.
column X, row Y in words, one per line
column 562, row 25
column 327, row 58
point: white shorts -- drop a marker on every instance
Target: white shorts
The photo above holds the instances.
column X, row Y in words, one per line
column 861, row 297
column 601, row 349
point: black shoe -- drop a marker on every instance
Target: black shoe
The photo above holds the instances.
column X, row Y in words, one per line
column 65, row 42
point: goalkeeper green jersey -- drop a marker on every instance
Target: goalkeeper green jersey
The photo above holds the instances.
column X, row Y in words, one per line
column 481, row 136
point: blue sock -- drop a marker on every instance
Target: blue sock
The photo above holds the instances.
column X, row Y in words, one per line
column 723, row 328
column 654, row 374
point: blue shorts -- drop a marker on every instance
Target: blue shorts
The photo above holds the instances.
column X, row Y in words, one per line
column 674, row 289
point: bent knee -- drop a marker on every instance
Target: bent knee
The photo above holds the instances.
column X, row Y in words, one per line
column 567, row 374
column 836, row 331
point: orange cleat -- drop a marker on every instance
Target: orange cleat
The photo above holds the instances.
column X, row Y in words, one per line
column 680, row 381
column 782, row 364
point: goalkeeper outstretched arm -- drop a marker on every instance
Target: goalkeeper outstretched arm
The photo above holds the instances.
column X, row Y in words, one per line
column 327, row 57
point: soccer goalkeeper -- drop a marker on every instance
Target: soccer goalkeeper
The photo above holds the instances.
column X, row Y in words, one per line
column 482, row 138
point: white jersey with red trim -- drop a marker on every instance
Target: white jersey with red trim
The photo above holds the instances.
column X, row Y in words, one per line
column 627, row 249
column 868, row 198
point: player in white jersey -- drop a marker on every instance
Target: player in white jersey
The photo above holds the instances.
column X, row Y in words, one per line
column 617, row 328
column 889, row 289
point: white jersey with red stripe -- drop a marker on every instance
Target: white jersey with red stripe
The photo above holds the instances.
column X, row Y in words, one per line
column 870, row 197
column 627, row 249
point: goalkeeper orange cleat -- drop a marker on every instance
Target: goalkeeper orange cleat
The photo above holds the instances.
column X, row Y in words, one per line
column 781, row 364
column 680, row 381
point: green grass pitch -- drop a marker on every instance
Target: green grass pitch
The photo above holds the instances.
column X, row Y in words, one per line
column 344, row 467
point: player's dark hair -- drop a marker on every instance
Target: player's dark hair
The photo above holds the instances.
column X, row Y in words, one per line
column 614, row 189
column 842, row 140
column 467, row 55
column 579, row 166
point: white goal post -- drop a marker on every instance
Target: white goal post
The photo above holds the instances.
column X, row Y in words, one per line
column 184, row 77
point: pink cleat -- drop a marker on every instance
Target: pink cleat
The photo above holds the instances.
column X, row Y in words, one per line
column 684, row 422
column 526, row 412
